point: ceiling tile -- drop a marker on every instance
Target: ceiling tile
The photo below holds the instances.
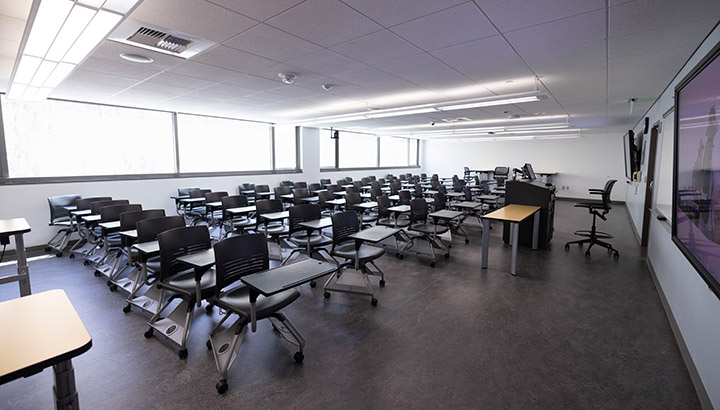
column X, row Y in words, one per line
column 101, row 78
column 510, row 15
column 157, row 87
column 204, row 71
column 130, row 70
column 568, row 60
column 260, row 10
column 324, row 22
column 173, row 79
column 233, row 90
column 111, row 50
column 390, row 13
column 645, row 15
column 687, row 34
column 317, row 83
column 232, row 59
column 269, row 42
column 255, row 82
column 445, row 28
column 195, row 17
column 9, row 48
column 366, row 76
column 498, row 70
column 584, row 28
column 11, row 28
column 425, row 70
column 326, row 62
column 19, row 9
column 377, row 47
column 466, row 56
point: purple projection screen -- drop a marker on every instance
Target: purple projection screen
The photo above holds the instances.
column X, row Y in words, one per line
column 696, row 216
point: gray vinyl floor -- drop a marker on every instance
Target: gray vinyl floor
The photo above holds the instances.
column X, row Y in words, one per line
column 566, row 333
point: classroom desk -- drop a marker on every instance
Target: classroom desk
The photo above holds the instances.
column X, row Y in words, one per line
column 40, row 331
column 276, row 280
column 201, row 262
column 17, row 227
column 317, row 224
column 241, row 210
column 397, row 210
column 448, row 217
column 152, row 299
column 469, row 205
column 336, row 202
column 310, row 199
column 513, row 214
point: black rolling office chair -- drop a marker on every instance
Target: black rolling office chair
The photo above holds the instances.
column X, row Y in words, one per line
column 234, row 223
column 325, row 182
column 59, row 216
column 184, row 282
column 421, row 229
column 323, row 197
column 234, row 258
column 501, row 175
column 128, row 221
column 299, row 194
column 274, row 230
column 598, row 209
column 300, row 237
column 283, row 190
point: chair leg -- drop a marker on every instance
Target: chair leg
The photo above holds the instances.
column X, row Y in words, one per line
column 287, row 330
column 226, row 344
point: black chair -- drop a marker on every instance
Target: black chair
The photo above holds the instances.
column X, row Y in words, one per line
column 351, row 200
column 283, row 190
column 248, row 190
column 405, row 197
column 323, row 197
column 598, row 209
column 59, row 216
column 345, row 224
column 501, row 175
column 385, row 216
column 192, row 285
column 128, row 222
column 94, row 232
column 341, row 182
column 272, row 229
column 232, row 223
column 299, row 194
column 186, row 190
column 234, row 258
column 287, row 183
column 423, row 230
column 325, row 182
column 301, row 237
column 314, row 187
column 84, row 246
column 300, row 185
column 112, row 243
column 194, row 210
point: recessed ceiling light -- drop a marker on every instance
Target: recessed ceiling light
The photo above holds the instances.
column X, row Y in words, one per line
column 287, row 78
column 327, row 87
column 136, row 58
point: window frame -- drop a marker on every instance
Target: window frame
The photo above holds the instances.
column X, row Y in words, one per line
column 336, row 167
column 5, row 179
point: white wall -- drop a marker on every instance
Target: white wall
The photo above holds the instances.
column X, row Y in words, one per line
column 30, row 201
column 694, row 306
column 581, row 163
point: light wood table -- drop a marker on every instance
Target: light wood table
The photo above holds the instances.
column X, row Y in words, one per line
column 514, row 214
column 40, row 331
column 17, row 227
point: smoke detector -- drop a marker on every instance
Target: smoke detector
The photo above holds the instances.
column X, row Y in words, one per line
column 287, row 78
column 327, row 87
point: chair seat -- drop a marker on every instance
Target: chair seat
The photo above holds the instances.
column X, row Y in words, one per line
column 366, row 253
column 369, row 218
column 184, row 282
column 244, row 222
column 64, row 221
column 238, row 301
column 275, row 229
column 153, row 264
column 429, row 228
column 315, row 240
column 401, row 223
column 589, row 204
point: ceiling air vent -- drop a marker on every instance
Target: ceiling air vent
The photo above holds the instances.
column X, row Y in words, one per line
column 159, row 39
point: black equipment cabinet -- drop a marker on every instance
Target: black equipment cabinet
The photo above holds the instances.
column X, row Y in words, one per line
column 525, row 192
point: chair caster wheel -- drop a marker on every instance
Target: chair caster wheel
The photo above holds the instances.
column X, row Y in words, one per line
column 127, row 308
column 580, row 245
column 373, row 302
column 299, row 357
column 113, row 288
column 86, row 263
column 72, row 256
column 48, row 249
column 447, row 255
column 401, row 256
column 59, row 254
column 209, row 308
column 221, row 386
column 382, row 283
column 183, row 353
column 313, row 283
column 326, row 295
column 467, row 241
column 450, row 246
column 148, row 333
column 587, row 254
column 208, row 345
column 567, row 247
column 432, row 264
column 616, row 255
column 97, row 274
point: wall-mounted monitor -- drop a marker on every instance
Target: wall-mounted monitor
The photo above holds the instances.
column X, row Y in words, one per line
column 696, row 180
column 632, row 164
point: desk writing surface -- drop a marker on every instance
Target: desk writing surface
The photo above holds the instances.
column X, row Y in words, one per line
column 366, row 205
column 468, row 205
column 215, row 204
column 177, row 197
column 148, row 248
column 132, row 233
column 276, row 280
column 446, row 214
column 340, row 201
column 241, row 209
column 395, row 197
column 287, row 196
column 91, row 218
column 38, row 331
column 512, row 213
column 310, row 199
column 14, row 226
column 199, row 259
column 399, row 208
column 81, row 212
column 70, row 208
column 274, row 216
column 192, row 200
column 317, row 223
column 110, row 225
column 375, row 234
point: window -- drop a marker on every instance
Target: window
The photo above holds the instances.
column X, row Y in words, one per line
column 327, row 150
column 285, row 147
column 60, row 139
column 210, row 144
column 664, row 177
column 357, row 150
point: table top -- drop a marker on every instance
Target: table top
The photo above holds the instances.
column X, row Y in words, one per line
column 454, row 194
column 276, row 216
column 110, row 225
column 276, row 280
column 488, row 197
column 399, row 208
column 317, row 223
column 375, row 234
column 192, row 200
column 340, row 193
column 446, row 214
column 132, row 233
column 91, row 218
column 287, row 196
column 468, row 205
column 81, row 212
column 366, row 205
column 241, row 210
column 14, row 226
column 70, row 207
column 512, row 213
column 39, row 331
column 340, row 201
column 214, row 204
column 395, row 197
column 310, row 199
column 264, row 193
column 200, row 259
column 148, row 248
column 247, row 191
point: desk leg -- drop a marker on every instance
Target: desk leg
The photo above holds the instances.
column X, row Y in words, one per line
column 22, row 267
column 536, row 229
column 358, row 244
column 485, row 239
column 253, row 315
column 66, row 397
column 515, row 227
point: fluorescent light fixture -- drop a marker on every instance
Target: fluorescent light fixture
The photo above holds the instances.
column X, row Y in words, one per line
column 26, row 69
column 120, row 6
column 74, row 25
column 94, row 33
column 59, row 74
column 49, row 19
column 490, row 103
column 517, row 138
column 540, row 127
column 557, row 137
column 402, row 112
column 42, row 73
column 92, row 3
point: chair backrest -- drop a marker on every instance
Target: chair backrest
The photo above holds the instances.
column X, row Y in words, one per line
column 262, row 188
column 405, row 197
column 349, row 180
column 303, row 213
column 372, row 178
column 439, row 202
column 442, row 189
column 375, row 192
column 395, row 188
column 148, row 229
column 300, row 193
column 344, row 224
column 267, row 206
column 358, row 184
column 246, row 187
column 468, row 193
column 282, row 190
column 477, row 180
column 85, row 203
column 352, row 189
column 129, row 220
column 381, row 181
column 112, row 212
column 198, row 193
column 58, row 204
column 402, row 177
column 300, row 185
column 334, row 188
column 352, row 198
column 501, row 174
column 325, row 196
column 232, row 201
column 418, row 190
column 95, row 206
column 177, row 242
column 239, row 256
column 342, row 182
column 314, row 187
column 459, row 185
column 325, row 182
column 186, row 191
column 365, row 181
column 485, row 187
column 375, row 184
column 286, row 183
column 423, row 175
column 606, row 194
column 383, row 204
column 418, row 210
column 215, row 196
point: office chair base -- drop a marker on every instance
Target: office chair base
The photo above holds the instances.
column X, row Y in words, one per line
column 332, row 285
column 59, row 242
column 593, row 242
column 176, row 326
